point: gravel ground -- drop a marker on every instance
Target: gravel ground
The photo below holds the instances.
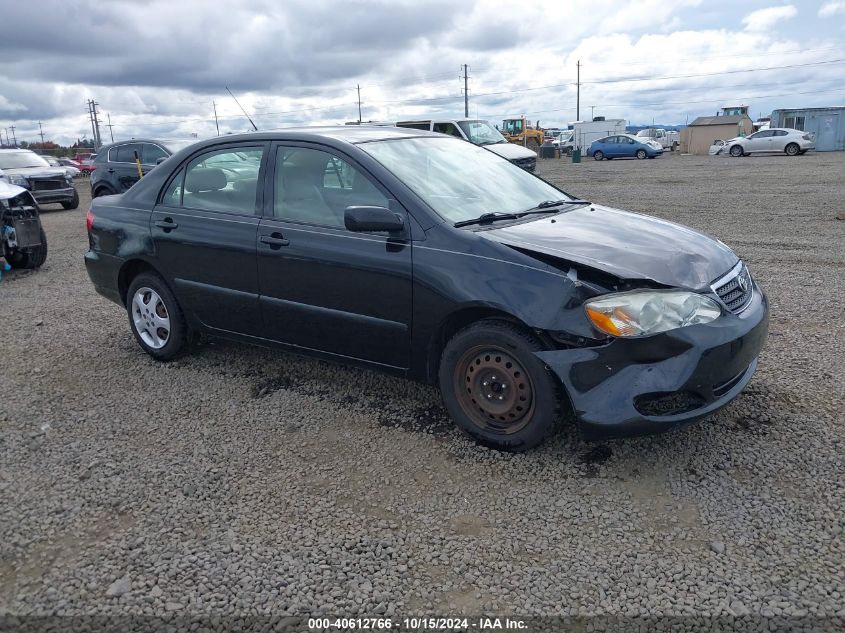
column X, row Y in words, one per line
column 241, row 482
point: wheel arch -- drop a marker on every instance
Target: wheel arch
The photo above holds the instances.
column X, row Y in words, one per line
column 129, row 271
column 458, row 320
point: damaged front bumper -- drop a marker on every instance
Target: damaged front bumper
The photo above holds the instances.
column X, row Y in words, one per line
column 639, row 386
column 49, row 196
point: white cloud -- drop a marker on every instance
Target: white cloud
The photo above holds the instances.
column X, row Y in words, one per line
column 829, row 9
column 764, row 19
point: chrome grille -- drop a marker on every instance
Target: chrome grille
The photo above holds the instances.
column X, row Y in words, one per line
column 735, row 288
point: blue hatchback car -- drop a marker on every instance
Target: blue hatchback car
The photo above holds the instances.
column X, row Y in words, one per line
column 623, row 146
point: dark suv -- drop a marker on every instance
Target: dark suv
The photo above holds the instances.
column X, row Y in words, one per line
column 115, row 166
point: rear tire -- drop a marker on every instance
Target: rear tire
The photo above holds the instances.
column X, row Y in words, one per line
column 74, row 202
column 496, row 390
column 598, row 155
column 102, row 191
column 155, row 317
column 641, row 154
column 792, row 149
column 32, row 257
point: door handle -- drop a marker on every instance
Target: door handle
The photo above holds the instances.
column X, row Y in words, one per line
column 110, row 170
column 166, row 224
column 274, row 240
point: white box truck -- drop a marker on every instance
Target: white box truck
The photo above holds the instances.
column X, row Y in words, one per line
column 585, row 132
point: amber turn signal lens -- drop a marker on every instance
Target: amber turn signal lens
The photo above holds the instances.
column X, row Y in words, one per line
column 603, row 322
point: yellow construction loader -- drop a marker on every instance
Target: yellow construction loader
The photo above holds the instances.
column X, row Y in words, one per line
column 521, row 132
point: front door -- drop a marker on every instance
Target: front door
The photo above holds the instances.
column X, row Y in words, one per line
column 323, row 287
column 204, row 229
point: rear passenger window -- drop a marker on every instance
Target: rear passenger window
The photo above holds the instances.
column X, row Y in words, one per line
column 315, row 187
column 223, row 180
column 124, row 153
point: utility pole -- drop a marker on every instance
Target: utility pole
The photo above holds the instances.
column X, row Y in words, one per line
column 359, row 104
column 592, row 112
column 14, row 138
column 91, row 118
column 110, row 126
column 466, row 93
column 217, row 125
column 98, row 140
column 578, row 92
column 41, row 132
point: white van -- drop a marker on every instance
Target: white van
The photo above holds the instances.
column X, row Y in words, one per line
column 480, row 133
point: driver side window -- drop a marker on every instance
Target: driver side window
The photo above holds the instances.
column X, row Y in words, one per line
column 315, row 187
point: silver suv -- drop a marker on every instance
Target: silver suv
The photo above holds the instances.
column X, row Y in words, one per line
column 47, row 184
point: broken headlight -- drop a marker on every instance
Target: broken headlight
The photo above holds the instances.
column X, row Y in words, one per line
column 644, row 312
column 17, row 179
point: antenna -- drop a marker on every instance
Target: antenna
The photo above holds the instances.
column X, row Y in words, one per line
column 254, row 127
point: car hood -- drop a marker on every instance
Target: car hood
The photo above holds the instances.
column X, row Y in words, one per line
column 510, row 151
column 627, row 245
column 7, row 191
column 45, row 172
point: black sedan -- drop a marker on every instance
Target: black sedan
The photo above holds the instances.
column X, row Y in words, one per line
column 421, row 255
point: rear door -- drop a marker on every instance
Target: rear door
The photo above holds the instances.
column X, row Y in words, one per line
column 204, row 229
column 323, row 287
column 121, row 167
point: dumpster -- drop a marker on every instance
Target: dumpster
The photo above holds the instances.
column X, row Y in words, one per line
column 576, row 155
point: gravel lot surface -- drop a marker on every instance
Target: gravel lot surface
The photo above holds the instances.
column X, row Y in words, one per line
column 244, row 482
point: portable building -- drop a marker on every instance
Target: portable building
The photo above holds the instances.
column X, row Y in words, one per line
column 699, row 135
column 828, row 124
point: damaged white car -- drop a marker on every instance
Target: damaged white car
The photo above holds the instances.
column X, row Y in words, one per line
column 23, row 243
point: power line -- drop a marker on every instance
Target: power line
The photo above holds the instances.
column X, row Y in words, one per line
column 660, row 103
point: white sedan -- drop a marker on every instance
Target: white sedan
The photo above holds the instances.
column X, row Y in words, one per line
column 774, row 140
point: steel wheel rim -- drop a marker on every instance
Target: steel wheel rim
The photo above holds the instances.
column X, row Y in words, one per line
column 494, row 390
column 151, row 318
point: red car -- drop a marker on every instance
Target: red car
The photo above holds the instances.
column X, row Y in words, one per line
column 84, row 166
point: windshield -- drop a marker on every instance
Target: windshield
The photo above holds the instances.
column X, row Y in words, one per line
column 461, row 181
column 17, row 160
column 481, row 132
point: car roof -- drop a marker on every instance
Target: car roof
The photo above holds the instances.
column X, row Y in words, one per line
column 349, row 133
column 12, row 150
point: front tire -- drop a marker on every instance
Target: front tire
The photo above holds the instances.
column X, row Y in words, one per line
column 792, row 149
column 32, row 257
column 155, row 317
column 496, row 390
column 598, row 155
column 73, row 203
column 641, row 154
column 736, row 151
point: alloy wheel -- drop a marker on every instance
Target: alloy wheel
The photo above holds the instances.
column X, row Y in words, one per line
column 150, row 316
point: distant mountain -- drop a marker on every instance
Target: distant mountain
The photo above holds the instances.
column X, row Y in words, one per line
column 637, row 128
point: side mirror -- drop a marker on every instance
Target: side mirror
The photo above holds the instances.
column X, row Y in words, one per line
column 161, row 159
column 366, row 219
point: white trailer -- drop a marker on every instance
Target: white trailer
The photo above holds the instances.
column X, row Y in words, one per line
column 585, row 132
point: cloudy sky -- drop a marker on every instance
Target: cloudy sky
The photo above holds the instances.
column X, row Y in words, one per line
column 156, row 66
